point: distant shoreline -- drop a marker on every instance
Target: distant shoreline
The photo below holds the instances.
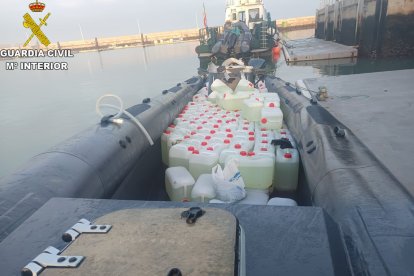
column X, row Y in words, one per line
column 151, row 39
column 76, row 51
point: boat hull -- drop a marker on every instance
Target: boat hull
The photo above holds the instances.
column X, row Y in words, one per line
column 104, row 161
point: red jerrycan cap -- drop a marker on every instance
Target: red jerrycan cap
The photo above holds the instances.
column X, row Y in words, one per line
column 190, row 148
column 288, row 155
column 243, row 153
column 264, row 120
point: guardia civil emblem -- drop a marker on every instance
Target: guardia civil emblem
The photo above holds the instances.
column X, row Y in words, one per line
column 30, row 23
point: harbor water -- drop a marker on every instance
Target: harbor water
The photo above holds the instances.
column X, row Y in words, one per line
column 39, row 109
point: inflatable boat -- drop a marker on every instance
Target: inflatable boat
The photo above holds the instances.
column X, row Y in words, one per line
column 314, row 202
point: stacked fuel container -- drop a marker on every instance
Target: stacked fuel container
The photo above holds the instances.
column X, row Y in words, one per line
column 243, row 124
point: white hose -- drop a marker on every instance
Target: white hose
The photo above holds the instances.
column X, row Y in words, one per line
column 121, row 111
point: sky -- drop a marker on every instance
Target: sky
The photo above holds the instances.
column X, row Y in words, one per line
column 104, row 18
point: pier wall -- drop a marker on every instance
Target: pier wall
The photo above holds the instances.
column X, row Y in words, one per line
column 378, row 27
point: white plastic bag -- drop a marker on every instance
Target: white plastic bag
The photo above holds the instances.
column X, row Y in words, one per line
column 228, row 183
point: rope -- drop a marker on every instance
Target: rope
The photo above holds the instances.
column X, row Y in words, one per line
column 121, row 111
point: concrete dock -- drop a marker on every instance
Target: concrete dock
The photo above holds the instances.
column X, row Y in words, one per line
column 378, row 108
column 356, row 150
column 316, row 49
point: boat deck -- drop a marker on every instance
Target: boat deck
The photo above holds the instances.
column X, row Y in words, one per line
column 279, row 241
column 378, row 108
column 316, row 49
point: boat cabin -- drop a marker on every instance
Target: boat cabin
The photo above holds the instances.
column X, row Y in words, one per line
column 248, row 11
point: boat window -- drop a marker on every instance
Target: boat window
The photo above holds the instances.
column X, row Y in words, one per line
column 254, row 15
column 242, row 16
